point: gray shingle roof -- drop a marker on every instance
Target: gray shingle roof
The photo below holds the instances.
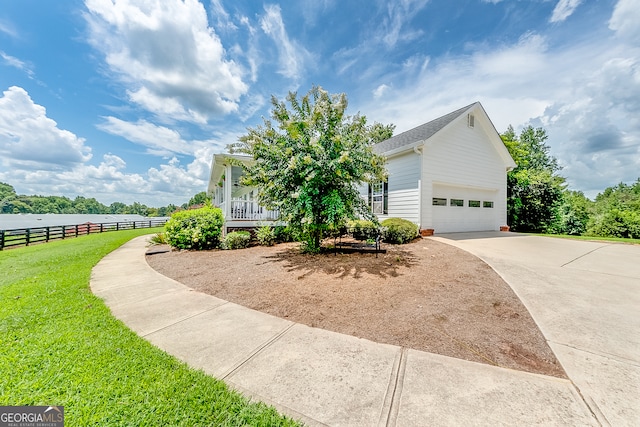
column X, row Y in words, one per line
column 420, row 133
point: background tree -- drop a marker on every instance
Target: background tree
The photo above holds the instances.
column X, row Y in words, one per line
column 616, row 212
column 199, row 199
column 573, row 214
column 534, row 189
column 379, row 132
column 7, row 195
column 309, row 165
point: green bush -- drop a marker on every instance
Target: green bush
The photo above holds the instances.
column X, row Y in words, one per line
column 398, row 230
column 158, row 239
column 195, row 229
column 363, row 230
column 284, row 234
column 266, row 236
column 236, row 240
column 616, row 223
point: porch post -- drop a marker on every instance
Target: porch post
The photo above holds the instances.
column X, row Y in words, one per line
column 227, row 191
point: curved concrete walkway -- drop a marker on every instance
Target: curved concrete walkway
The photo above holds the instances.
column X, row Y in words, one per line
column 325, row 378
column 585, row 297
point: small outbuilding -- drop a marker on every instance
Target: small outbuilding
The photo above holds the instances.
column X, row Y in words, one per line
column 448, row 175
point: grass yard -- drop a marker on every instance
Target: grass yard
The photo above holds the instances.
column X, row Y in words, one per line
column 595, row 239
column 59, row 345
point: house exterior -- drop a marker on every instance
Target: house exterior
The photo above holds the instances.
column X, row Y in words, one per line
column 238, row 203
column 449, row 175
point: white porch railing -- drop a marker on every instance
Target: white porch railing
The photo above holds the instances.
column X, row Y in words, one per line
column 249, row 210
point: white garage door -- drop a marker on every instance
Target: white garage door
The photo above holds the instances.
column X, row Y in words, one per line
column 456, row 209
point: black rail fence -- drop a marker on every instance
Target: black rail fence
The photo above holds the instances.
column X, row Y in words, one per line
column 28, row 236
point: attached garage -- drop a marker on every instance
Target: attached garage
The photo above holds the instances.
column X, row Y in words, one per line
column 449, row 174
column 464, row 209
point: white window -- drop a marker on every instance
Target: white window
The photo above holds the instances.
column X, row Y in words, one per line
column 474, row 203
column 457, row 202
column 486, row 204
column 379, row 197
column 471, row 120
column 439, row 201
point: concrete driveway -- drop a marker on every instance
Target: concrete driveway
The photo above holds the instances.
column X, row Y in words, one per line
column 585, row 297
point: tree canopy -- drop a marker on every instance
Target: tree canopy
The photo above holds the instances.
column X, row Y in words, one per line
column 534, row 189
column 309, row 160
column 13, row 203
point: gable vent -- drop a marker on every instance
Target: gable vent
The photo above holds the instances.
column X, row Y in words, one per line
column 471, row 120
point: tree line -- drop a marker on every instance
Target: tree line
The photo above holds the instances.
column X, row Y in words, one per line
column 13, row 203
column 539, row 201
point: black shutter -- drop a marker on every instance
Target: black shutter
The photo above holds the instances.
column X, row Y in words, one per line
column 385, row 198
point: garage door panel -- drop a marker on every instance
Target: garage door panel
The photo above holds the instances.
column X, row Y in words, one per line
column 450, row 218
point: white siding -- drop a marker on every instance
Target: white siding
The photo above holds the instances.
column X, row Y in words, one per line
column 404, row 177
column 404, row 197
column 460, row 162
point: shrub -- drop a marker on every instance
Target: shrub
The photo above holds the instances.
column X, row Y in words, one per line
column 363, row 230
column 266, row 236
column 398, row 230
column 284, row 234
column 195, row 229
column 236, row 240
column 158, row 239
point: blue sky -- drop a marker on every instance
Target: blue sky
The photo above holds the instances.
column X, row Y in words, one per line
column 128, row 100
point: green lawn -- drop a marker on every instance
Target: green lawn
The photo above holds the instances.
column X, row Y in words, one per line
column 59, row 345
column 594, row 238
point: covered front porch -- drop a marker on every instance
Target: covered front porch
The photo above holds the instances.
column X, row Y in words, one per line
column 238, row 203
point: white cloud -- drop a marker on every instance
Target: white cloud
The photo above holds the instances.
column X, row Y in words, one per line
column 291, row 55
column 30, row 139
column 394, row 25
column 624, row 21
column 586, row 95
column 223, row 20
column 313, row 9
column 160, row 140
column 171, row 61
column 8, row 28
column 564, row 9
column 16, row 63
column 380, row 90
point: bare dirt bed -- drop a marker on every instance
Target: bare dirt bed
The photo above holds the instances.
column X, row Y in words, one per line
column 425, row 295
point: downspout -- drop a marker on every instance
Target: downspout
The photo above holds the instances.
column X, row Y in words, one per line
column 416, row 150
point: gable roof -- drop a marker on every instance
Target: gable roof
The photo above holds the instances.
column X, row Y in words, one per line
column 420, row 133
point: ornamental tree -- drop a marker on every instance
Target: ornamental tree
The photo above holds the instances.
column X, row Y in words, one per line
column 309, row 161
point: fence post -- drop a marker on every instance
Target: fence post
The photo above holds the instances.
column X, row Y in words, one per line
column 77, row 230
column 1, row 240
column 134, row 225
column 117, row 226
column 101, row 227
column 28, row 236
column 47, row 238
column 64, row 231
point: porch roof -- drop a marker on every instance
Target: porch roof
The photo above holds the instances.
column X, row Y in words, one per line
column 219, row 165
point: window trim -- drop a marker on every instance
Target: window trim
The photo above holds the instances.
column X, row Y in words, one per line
column 476, row 203
column 458, row 203
column 384, row 194
column 487, row 204
column 433, row 201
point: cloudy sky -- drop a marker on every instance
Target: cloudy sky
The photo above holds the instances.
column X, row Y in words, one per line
column 128, row 100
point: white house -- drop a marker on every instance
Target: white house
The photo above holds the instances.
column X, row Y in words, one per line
column 238, row 203
column 449, row 174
